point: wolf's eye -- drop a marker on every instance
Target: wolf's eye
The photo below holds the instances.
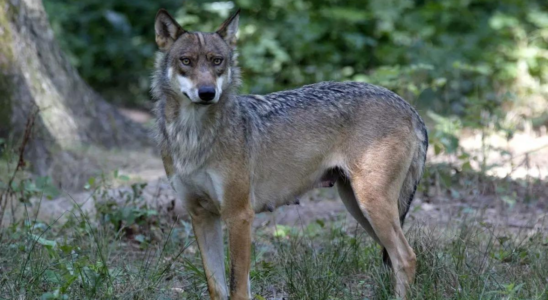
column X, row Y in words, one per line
column 217, row 61
column 185, row 61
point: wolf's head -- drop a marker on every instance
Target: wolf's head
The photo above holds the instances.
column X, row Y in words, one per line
column 198, row 66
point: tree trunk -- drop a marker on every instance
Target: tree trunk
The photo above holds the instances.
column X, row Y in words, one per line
column 34, row 74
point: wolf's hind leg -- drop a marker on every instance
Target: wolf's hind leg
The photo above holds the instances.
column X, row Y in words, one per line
column 376, row 181
column 385, row 223
column 351, row 204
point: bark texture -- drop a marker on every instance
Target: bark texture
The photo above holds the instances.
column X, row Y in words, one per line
column 34, row 74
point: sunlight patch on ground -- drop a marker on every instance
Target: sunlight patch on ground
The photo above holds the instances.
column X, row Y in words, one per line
column 525, row 155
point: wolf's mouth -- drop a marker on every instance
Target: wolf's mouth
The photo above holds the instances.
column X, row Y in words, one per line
column 203, row 103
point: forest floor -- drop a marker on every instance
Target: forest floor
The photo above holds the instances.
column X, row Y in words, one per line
column 127, row 237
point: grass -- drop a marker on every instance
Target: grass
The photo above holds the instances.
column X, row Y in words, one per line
column 96, row 258
column 127, row 250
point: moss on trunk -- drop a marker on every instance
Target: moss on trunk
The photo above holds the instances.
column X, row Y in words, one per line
column 6, row 61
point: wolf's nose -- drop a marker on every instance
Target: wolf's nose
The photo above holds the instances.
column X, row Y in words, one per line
column 206, row 93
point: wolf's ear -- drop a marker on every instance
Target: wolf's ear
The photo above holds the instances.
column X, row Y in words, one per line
column 167, row 30
column 229, row 28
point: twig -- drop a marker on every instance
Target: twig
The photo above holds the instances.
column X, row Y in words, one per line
column 540, row 228
column 6, row 195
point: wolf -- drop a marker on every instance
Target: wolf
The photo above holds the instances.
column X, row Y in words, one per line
column 230, row 156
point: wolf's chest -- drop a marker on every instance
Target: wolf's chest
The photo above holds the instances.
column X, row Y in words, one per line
column 207, row 184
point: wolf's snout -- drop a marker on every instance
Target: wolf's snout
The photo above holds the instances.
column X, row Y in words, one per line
column 206, row 93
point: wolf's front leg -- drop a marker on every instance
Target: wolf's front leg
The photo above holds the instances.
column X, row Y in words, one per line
column 239, row 221
column 209, row 234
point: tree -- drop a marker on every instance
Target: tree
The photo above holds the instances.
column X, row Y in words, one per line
column 36, row 75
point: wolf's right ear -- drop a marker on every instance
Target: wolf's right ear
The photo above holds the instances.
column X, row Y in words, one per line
column 229, row 28
column 167, row 30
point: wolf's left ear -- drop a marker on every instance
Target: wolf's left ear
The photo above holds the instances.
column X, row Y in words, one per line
column 167, row 30
column 229, row 28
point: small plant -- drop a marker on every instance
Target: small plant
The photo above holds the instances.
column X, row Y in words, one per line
column 15, row 183
column 125, row 210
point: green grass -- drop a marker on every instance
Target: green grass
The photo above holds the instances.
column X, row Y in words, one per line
column 467, row 262
column 92, row 259
column 129, row 251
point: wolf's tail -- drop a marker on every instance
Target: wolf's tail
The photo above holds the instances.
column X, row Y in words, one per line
column 411, row 181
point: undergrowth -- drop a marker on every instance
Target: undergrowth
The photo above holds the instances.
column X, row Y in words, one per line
column 95, row 258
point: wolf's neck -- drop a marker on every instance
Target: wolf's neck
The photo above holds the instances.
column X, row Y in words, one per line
column 193, row 135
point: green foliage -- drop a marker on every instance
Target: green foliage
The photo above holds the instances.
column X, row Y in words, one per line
column 111, row 43
column 125, row 210
column 454, row 57
column 131, row 211
column 85, row 259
